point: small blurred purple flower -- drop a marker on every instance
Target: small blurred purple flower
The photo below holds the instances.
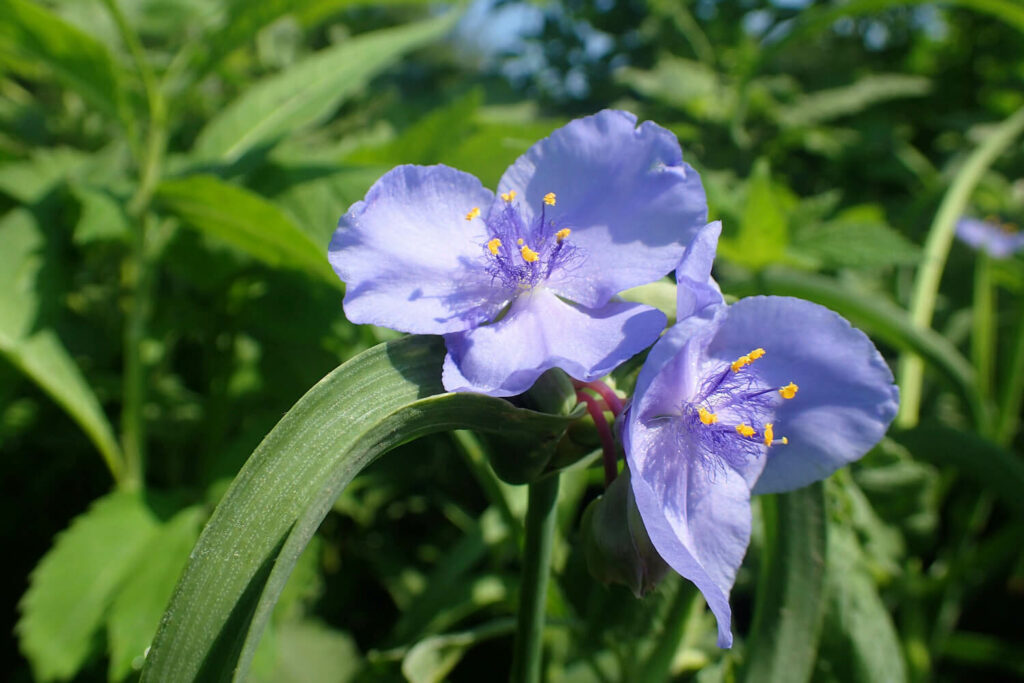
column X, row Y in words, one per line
column 524, row 281
column 766, row 395
column 998, row 240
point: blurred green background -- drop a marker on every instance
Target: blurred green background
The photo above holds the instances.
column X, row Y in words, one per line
column 171, row 172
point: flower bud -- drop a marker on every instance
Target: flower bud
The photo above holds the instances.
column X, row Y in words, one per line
column 617, row 547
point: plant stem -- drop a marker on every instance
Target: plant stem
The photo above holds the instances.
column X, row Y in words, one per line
column 982, row 331
column 936, row 249
column 540, row 530
column 658, row 664
column 1013, row 388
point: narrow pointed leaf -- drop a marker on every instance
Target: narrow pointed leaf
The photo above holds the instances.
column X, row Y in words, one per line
column 384, row 397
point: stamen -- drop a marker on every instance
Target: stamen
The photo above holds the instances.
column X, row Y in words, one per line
column 769, row 434
column 744, row 361
column 784, row 441
column 789, row 391
column 745, row 430
column 562, row 234
column 529, row 255
column 756, row 353
column 508, row 196
column 493, row 246
column 549, row 199
column 473, row 213
column 707, row 417
column 520, row 241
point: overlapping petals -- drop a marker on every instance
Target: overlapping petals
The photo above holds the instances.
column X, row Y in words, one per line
column 524, row 281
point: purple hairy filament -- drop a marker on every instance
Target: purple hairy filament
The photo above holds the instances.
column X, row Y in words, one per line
column 729, row 421
column 521, row 253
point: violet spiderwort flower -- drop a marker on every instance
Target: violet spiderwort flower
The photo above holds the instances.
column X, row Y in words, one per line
column 999, row 240
column 766, row 395
column 524, row 281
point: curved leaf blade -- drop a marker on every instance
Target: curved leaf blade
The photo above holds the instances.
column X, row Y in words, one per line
column 384, row 397
column 311, row 89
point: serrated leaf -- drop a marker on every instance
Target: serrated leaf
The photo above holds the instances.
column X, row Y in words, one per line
column 384, row 397
column 857, row 244
column 77, row 59
column 31, row 345
column 789, row 611
column 244, row 220
column 310, row 90
column 763, row 233
column 73, row 584
column 136, row 610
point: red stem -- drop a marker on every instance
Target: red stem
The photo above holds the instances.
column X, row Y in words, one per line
column 604, row 432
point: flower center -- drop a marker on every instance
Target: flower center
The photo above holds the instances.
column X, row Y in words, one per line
column 730, row 417
column 520, row 254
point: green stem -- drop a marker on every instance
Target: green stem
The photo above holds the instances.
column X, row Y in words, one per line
column 540, row 532
column 936, row 249
column 658, row 664
column 983, row 329
column 1013, row 389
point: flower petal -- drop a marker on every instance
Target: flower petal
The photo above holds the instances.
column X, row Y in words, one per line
column 410, row 258
column 697, row 515
column 990, row 237
column 540, row 332
column 695, row 287
column 846, row 396
column 630, row 201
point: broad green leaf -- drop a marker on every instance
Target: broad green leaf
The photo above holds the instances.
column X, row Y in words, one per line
column 856, row 239
column 309, row 651
column 789, row 610
column 763, row 233
column 384, row 397
column 244, row 220
column 28, row 181
column 686, row 84
column 78, row 60
column 73, row 584
column 135, row 612
column 859, row 640
column 101, row 217
column 31, row 345
column 826, row 105
column 311, row 89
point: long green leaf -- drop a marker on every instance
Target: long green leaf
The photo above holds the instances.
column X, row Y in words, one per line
column 77, row 59
column 31, row 345
column 384, row 397
column 789, row 611
column 310, row 90
column 244, row 220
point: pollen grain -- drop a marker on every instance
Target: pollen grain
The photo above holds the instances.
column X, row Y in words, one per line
column 493, row 245
column 549, row 199
column 473, row 213
column 789, row 391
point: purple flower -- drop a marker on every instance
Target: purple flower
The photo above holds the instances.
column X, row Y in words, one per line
column 999, row 240
column 766, row 395
column 524, row 281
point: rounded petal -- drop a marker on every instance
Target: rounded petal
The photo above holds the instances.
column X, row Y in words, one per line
column 697, row 519
column 630, row 201
column 846, row 398
column 410, row 258
column 695, row 288
column 541, row 332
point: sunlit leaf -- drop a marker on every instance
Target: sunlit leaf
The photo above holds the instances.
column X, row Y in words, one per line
column 384, row 397
column 73, row 584
column 310, row 90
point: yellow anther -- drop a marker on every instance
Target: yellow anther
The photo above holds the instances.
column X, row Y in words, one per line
column 493, row 245
column 784, row 441
column 562, row 234
column 529, row 255
column 745, row 430
column 508, row 196
column 741, row 362
column 519, row 241
column 756, row 353
column 473, row 213
column 707, row 417
column 769, row 434
column 549, row 199
column 789, row 391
